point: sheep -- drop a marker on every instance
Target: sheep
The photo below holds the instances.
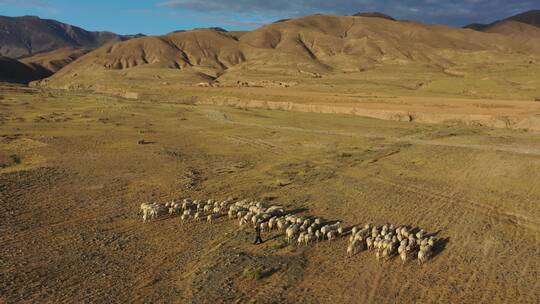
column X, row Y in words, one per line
column 358, row 237
column 290, row 232
column 281, row 224
column 145, row 216
column 354, row 230
column 241, row 214
column 210, row 218
column 420, row 234
column 207, row 208
column 351, row 249
column 154, row 210
column 340, row 231
column 318, row 235
column 264, row 226
column 318, row 221
column 197, row 216
column 404, row 255
column 174, row 209
column 424, row 254
column 422, row 257
column 272, row 223
column 327, row 228
column 242, row 222
column 144, row 206
column 254, row 219
column 308, row 238
column 275, row 210
column 301, row 238
column 331, row 235
column 369, row 243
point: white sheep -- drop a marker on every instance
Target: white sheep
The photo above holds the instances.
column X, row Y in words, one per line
column 242, row 222
column 420, row 234
column 272, row 223
column 331, row 235
column 174, row 209
column 264, row 226
column 369, row 243
column 404, row 255
column 318, row 235
column 301, row 238
column 291, row 232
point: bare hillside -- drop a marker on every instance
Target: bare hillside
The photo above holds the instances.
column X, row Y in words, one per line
column 310, row 45
column 27, row 35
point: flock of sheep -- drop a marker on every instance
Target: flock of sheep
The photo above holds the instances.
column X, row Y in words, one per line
column 387, row 241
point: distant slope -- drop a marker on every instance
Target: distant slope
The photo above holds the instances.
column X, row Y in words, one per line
column 531, row 18
column 12, row 70
column 510, row 27
column 38, row 66
column 23, row 36
column 54, row 60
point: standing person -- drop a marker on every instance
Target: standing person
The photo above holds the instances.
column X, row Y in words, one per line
column 258, row 239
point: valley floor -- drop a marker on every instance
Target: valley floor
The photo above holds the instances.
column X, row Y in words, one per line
column 72, row 178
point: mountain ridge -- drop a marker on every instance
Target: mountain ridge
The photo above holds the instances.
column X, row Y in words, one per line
column 29, row 35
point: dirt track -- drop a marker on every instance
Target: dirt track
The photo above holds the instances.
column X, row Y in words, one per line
column 70, row 230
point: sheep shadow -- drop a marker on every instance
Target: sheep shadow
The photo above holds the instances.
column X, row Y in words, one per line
column 297, row 210
column 145, row 142
column 268, row 272
column 434, row 234
column 440, row 246
column 274, row 237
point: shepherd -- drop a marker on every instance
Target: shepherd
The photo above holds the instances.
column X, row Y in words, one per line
column 258, row 239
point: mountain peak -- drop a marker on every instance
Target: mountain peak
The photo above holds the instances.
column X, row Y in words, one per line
column 374, row 15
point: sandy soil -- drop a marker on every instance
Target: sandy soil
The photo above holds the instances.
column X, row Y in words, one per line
column 72, row 177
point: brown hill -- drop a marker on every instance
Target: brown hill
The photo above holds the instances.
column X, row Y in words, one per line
column 53, row 61
column 302, row 48
column 23, row 36
column 510, row 27
column 12, row 70
column 531, row 18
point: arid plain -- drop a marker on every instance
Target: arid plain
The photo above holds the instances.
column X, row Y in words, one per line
column 73, row 177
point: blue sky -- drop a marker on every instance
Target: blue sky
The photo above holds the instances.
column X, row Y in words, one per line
column 162, row 16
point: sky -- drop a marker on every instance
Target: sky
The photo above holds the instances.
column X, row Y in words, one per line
column 156, row 17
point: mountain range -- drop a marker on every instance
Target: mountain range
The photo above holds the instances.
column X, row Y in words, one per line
column 311, row 45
